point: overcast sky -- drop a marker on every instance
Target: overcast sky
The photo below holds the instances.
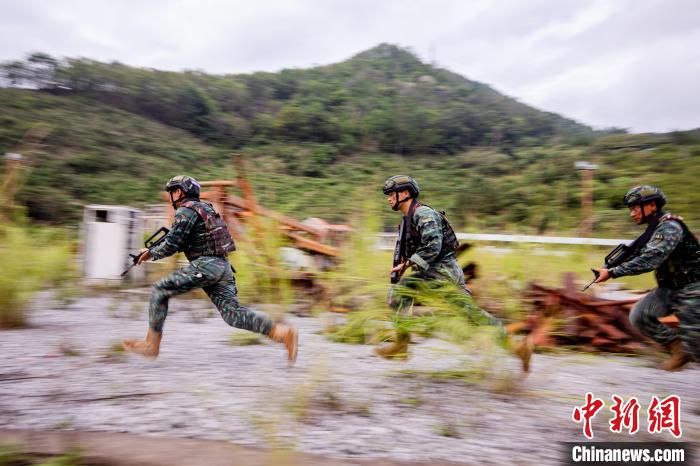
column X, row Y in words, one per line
column 627, row 63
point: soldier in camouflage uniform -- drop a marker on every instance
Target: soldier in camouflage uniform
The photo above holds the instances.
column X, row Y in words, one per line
column 670, row 249
column 202, row 235
column 427, row 243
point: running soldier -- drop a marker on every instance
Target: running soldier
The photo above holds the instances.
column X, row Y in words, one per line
column 427, row 243
column 202, row 235
column 670, row 249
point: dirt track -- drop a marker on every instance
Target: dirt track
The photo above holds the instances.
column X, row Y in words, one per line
column 339, row 401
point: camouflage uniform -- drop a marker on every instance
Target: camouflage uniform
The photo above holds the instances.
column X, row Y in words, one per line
column 432, row 262
column 211, row 273
column 667, row 252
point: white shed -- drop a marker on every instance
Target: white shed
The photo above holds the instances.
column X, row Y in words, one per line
column 110, row 233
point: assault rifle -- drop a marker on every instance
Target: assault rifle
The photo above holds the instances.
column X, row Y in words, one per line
column 154, row 240
column 398, row 254
column 622, row 253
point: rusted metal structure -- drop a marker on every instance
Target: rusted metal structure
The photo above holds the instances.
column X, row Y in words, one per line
column 244, row 217
column 568, row 317
column 243, row 213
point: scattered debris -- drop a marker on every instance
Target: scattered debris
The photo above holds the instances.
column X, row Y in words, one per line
column 568, row 317
column 313, row 235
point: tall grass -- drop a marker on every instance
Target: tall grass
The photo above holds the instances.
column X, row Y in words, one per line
column 31, row 258
column 260, row 276
column 361, row 283
column 13, row 455
column 506, row 271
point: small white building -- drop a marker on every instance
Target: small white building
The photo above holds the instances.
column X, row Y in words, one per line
column 109, row 234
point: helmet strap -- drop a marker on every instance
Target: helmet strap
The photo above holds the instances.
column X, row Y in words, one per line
column 657, row 213
column 645, row 217
column 175, row 201
column 395, row 205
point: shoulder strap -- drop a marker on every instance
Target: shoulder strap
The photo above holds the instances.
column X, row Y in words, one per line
column 192, row 205
column 686, row 231
column 411, row 211
column 197, row 206
column 189, row 205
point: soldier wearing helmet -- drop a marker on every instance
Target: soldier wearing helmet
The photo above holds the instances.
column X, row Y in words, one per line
column 427, row 244
column 202, row 235
column 670, row 249
column 430, row 241
column 182, row 186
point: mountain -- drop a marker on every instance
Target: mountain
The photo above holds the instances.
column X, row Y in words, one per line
column 322, row 140
column 384, row 98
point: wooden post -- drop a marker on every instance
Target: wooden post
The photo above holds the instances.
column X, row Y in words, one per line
column 252, row 207
column 586, row 170
column 14, row 161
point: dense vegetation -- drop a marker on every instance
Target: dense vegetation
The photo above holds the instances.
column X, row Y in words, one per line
column 319, row 140
column 384, row 98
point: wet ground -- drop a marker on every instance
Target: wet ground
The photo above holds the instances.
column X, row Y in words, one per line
column 444, row 403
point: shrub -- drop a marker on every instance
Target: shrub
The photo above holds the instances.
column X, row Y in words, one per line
column 32, row 258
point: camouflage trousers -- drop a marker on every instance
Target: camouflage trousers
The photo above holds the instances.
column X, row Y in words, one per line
column 214, row 276
column 447, row 270
column 660, row 302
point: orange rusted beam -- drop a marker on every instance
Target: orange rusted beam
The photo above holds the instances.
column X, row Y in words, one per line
column 311, row 245
column 283, row 219
column 219, row 183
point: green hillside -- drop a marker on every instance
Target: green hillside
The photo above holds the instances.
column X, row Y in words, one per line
column 384, row 99
column 321, row 141
column 94, row 153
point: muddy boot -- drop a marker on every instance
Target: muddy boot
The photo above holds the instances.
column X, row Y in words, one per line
column 289, row 336
column 524, row 352
column 147, row 348
column 679, row 357
column 395, row 350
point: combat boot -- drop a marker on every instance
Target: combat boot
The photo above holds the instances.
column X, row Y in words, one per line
column 524, row 352
column 289, row 337
column 679, row 357
column 395, row 350
column 148, row 348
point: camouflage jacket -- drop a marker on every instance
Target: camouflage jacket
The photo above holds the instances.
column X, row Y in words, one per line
column 185, row 222
column 658, row 253
column 425, row 246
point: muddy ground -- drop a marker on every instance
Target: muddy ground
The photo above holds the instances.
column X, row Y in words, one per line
column 64, row 373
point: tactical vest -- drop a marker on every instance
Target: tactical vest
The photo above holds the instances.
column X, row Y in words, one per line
column 210, row 237
column 449, row 239
column 682, row 267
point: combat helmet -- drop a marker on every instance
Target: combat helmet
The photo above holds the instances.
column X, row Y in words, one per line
column 401, row 182
column 643, row 194
column 187, row 184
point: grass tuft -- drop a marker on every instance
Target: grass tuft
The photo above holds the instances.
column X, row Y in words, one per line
column 246, row 339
